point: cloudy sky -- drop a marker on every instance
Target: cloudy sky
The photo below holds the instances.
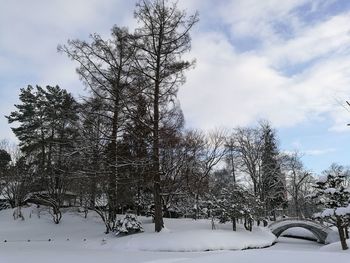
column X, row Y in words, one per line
column 286, row 61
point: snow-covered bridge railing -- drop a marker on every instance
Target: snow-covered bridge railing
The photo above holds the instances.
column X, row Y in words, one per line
column 320, row 231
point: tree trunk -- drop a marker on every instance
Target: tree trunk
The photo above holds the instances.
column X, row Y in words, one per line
column 113, row 174
column 158, row 216
column 92, row 191
column 234, row 225
column 233, row 167
column 341, row 234
column 197, row 207
column 296, row 202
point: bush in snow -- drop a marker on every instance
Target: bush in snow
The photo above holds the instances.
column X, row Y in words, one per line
column 129, row 225
column 334, row 198
column 234, row 202
column 17, row 213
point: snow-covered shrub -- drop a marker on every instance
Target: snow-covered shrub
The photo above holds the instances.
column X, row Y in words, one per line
column 334, row 198
column 17, row 213
column 129, row 225
column 234, row 202
column 4, row 205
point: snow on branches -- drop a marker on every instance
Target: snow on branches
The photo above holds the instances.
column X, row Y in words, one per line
column 129, row 225
column 334, row 198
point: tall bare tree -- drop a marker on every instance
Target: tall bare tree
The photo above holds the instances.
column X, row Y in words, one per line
column 162, row 38
column 205, row 153
column 248, row 143
column 297, row 177
column 105, row 67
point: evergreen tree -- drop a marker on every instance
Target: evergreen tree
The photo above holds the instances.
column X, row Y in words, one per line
column 32, row 132
column 234, row 202
column 334, row 198
column 230, row 204
column 273, row 192
column 47, row 133
column 5, row 159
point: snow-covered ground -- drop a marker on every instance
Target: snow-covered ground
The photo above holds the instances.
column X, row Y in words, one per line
column 78, row 239
column 180, row 234
column 299, row 232
column 189, row 235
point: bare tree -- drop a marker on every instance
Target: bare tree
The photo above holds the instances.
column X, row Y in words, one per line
column 232, row 157
column 248, row 143
column 209, row 151
column 15, row 181
column 105, row 67
column 162, row 38
column 297, row 177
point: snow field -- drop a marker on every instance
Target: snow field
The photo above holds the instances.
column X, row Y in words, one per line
column 88, row 244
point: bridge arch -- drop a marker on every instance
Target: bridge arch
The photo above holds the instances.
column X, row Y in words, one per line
column 321, row 232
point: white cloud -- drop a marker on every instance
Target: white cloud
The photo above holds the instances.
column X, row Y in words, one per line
column 258, row 18
column 234, row 88
column 228, row 87
column 231, row 88
column 317, row 152
column 330, row 37
column 30, row 32
column 310, row 152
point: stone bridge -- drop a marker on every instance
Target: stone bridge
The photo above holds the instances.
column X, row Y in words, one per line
column 320, row 231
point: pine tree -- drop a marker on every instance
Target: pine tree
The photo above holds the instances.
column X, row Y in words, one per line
column 273, row 191
column 234, row 202
column 31, row 133
column 47, row 132
column 334, row 198
column 229, row 205
column 5, row 159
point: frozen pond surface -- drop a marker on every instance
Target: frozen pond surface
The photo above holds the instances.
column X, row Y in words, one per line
column 286, row 243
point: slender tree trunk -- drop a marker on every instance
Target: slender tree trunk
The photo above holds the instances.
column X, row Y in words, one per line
column 233, row 168
column 95, row 168
column 158, row 216
column 341, row 234
column 197, row 207
column 234, row 224
column 113, row 175
column 43, row 158
column 138, row 208
column 296, row 202
column 93, row 191
column 255, row 188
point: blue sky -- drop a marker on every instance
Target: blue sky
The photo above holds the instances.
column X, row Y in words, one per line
column 285, row 61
